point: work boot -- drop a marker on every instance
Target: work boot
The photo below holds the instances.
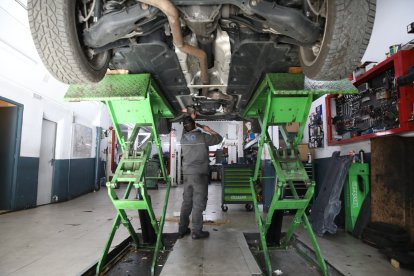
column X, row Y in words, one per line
column 200, row 235
column 183, row 234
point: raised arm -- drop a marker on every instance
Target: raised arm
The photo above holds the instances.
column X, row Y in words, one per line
column 212, row 138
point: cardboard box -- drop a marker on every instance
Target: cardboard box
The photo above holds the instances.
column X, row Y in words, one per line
column 304, row 150
column 292, row 127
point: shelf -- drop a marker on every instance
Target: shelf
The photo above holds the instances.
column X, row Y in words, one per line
column 399, row 64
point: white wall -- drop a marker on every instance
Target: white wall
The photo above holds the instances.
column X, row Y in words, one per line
column 25, row 80
column 327, row 151
column 390, row 27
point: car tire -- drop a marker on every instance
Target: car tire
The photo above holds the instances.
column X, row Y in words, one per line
column 55, row 34
column 346, row 36
column 249, row 207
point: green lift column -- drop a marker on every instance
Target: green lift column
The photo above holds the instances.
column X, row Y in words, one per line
column 281, row 99
column 134, row 100
column 356, row 190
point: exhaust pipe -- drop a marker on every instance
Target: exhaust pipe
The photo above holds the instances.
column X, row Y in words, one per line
column 173, row 19
column 220, row 96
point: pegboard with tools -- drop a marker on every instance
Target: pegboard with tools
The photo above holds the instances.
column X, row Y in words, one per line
column 373, row 110
column 380, row 108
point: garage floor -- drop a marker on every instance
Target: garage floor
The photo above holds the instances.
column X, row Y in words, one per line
column 67, row 238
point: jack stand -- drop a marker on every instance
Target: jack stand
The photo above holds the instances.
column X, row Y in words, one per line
column 279, row 100
column 131, row 99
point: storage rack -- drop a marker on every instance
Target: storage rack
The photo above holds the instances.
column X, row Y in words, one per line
column 399, row 64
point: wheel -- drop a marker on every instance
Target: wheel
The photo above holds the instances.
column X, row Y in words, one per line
column 249, row 207
column 163, row 126
column 224, row 207
column 347, row 28
column 56, row 30
column 97, row 186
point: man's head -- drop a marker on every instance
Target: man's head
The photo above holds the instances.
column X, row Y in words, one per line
column 188, row 123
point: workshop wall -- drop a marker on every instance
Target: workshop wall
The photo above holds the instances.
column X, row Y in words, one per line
column 24, row 80
column 391, row 20
column 326, row 151
column 322, row 156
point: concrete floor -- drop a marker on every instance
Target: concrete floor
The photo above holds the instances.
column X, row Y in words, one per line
column 67, row 238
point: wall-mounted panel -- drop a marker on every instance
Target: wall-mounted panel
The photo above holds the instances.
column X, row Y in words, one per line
column 380, row 108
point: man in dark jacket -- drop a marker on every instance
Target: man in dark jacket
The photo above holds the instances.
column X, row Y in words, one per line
column 194, row 145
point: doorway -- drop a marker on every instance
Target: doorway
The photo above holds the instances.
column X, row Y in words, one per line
column 46, row 162
column 10, row 129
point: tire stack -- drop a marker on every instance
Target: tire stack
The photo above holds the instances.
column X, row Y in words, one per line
column 391, row 240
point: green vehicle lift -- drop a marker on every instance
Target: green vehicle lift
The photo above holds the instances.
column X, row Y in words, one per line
column 131, row 99
column 281, row 99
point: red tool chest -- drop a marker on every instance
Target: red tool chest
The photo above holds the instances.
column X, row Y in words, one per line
column 343, row 128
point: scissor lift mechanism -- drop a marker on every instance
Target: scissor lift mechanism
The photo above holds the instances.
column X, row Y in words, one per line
column 131, row 99
column 134, row 99
column 281, row 99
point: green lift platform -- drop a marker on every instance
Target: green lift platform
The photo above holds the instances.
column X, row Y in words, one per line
column 133, row 100
column 281, row 99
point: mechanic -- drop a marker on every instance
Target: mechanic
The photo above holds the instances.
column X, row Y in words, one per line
column 194, row 145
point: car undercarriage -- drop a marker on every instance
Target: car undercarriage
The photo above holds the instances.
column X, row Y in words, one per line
column 209, row 55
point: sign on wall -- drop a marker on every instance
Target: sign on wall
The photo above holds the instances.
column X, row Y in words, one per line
column 315, row 128
column 81, row 141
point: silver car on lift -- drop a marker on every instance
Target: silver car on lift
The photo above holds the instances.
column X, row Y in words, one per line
column 210, row 55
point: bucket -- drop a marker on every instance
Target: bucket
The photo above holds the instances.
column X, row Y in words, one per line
column 394, row 49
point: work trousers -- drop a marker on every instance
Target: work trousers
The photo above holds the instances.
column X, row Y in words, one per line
column 194, row 200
